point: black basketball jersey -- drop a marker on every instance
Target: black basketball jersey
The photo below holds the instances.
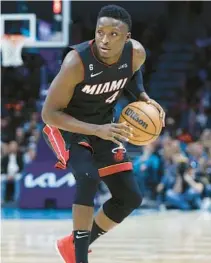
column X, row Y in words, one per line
column 94, row 99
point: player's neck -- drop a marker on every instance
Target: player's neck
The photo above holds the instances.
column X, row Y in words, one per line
column 108, row 61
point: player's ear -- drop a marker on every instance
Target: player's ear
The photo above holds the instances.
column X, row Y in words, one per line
column 128, row 37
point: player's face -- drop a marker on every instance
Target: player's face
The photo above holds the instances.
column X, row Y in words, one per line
column 110, row 37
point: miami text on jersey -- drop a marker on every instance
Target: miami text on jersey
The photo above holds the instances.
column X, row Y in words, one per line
column 105, row 87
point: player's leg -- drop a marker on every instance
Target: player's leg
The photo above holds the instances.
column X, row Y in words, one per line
column 87, row 179
column 125, row 198
column 115, row 169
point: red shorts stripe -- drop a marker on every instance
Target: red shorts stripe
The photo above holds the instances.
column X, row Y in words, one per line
column 60, row 165
column 58, row 144
column 115, row 168
column 85, row 144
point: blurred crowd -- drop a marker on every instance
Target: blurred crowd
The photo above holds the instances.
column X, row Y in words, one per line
column 175, row 173
column 20, row 123
column 193, row 112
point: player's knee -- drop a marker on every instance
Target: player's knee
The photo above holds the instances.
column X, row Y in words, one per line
column 129, row 200
column 118, row 208
column 134, row 200
column 86, row 188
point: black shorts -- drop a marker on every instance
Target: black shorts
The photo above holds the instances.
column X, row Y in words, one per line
column 109, row 158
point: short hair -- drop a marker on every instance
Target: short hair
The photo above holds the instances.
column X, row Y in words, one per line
column 116, row 12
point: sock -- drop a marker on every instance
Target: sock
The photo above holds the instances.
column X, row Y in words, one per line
column 81, row 241
column 96, row 232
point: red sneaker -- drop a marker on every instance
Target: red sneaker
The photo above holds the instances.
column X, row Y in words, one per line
column 66, row 249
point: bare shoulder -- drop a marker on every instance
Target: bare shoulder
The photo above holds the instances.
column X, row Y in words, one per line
column 139, row 54
column 137, row 47
column 73, row 64
column 62, row 87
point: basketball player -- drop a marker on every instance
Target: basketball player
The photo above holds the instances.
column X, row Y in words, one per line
column 78, row 112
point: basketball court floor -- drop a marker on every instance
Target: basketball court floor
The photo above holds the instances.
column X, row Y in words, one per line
column 157, row 237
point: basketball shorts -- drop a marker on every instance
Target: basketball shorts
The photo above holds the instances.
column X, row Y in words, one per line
column 108, row 157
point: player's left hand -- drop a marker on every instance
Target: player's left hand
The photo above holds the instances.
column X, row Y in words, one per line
column 160, row 109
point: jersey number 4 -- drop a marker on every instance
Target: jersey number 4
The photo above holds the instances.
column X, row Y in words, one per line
column 113, row 97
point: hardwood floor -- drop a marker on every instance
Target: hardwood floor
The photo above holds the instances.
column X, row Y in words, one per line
column 167, row 237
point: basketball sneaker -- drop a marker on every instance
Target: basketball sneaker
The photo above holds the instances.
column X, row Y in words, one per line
column 66, row 249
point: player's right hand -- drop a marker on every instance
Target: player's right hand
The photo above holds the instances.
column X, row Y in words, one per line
column 115, row 132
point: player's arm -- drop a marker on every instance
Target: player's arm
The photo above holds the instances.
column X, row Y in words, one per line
column 139, row 57
column 60, row 94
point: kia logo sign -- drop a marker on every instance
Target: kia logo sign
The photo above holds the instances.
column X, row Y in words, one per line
column 48, row 180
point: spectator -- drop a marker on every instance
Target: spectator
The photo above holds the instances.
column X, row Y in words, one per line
column 30, row 126
column 205, row 140
column 6, row 133
column 20, row 138
column 169, row 153
column 185, row 191
column 197, row 155
column 4, row 149
column 29, row 155
column 11, row 168
column 33, row 139
column 146, row 168
column 184, row 136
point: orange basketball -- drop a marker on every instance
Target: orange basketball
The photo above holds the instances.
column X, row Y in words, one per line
column 144, row 119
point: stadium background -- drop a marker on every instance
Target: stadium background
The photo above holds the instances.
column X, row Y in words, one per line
column 177, row 74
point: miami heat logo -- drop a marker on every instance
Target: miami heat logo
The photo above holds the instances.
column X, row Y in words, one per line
column 119, row 154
